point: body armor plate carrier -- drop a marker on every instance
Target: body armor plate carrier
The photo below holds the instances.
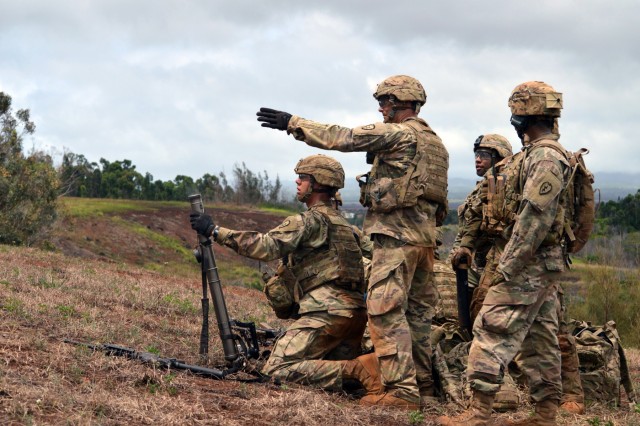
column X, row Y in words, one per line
column 338, row 261
column 424, row 177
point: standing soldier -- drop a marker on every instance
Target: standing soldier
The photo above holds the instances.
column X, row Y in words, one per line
column 322, row 254
column 489, row 149
column 524, row 210
column 406, row 193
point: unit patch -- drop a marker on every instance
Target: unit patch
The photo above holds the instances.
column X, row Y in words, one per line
column 369, row 127
column 545, row 188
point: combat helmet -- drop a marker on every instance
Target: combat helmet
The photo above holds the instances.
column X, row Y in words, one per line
column 535, row 98
column 498, row 143
column 403, row 87
column 325, row 170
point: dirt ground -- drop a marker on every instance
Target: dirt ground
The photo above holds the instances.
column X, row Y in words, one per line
column 97, row 287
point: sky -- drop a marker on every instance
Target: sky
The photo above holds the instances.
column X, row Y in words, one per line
column 174, row 85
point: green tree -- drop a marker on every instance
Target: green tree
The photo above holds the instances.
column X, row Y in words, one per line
column 28, row 183
column 79, row 177
column 120, row 180
column 622, row 214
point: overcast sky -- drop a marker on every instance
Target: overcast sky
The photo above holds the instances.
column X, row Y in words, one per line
column 174, row 85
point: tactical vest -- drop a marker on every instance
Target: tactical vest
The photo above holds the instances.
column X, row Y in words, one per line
column 502, row 197
column 425, row 177
column 339, row 260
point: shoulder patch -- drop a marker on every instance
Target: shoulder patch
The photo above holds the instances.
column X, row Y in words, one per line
column 545, row 188
column 284, row 224
column 369, row 127
column 541, row 192
column 291, row 223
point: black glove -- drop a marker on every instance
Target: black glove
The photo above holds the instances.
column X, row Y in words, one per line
column 273, row 119
column 202, row 223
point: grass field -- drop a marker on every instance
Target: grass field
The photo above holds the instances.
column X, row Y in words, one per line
column 73, row 292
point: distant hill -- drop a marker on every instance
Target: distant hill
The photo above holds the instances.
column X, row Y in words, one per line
column 612, row 185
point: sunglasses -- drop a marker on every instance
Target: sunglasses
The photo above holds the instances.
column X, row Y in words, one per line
column 483, row 155
column 383, row 101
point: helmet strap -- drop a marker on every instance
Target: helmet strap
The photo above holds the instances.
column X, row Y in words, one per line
column 521, row 124
column 323, row 190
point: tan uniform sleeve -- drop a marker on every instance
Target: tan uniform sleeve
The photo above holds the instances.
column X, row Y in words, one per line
column 470, row 219
column 371, row 137
column 275, row 244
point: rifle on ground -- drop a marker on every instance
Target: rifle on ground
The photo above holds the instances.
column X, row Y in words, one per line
column 462, row 289
column 240, row 340
column 152, row 359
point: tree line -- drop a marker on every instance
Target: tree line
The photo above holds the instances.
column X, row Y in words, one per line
column 624, row 214
column 120, row 179
column 30, row 183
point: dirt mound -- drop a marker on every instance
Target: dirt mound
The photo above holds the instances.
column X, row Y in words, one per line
column 143, row 237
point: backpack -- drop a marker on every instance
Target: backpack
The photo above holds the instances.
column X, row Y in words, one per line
column 603, row 363
column 451, row 347
column 580, row 203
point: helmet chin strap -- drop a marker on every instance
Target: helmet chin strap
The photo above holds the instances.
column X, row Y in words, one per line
column 306, row 195
column 311, row 190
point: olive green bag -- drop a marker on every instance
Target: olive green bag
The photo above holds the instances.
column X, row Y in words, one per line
column 283, row 292
column 603, row 363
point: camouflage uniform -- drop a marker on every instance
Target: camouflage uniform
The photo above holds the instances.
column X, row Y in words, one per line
column 332, row 317
column 467, row 212
column 571, row 383
column 401, row 291
column 520, row 311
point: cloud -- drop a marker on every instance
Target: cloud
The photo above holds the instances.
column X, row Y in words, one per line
column 174, row 85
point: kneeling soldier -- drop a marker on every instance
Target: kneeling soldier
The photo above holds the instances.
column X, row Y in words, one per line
column 321, row 255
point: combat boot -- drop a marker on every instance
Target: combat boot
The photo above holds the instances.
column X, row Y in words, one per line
column 545, row 415
column 366, row 370
column 428, row 397
column 388, row 399
column 573, row 407
column 478, row 413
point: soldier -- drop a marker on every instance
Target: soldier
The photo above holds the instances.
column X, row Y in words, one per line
column 524, row 211
column 323, row 254
column 405, row 191
column 572, row 392
column 489, row 149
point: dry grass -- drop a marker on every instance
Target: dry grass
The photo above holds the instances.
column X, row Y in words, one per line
column 46, row 297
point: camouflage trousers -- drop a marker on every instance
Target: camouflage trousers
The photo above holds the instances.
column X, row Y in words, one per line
column 570, row 373
column 401, row 303
column 519, row 315
column 308, row 350
column 571, row 383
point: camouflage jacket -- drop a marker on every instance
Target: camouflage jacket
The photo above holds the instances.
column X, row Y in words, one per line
column 298, row 233
column 470, row 215
column 413, row 225
column 543, row 176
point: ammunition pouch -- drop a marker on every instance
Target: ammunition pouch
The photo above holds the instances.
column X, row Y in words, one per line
column 424, row 177
column 283, row 293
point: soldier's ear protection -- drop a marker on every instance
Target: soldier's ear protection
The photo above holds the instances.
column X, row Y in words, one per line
column 520, row 122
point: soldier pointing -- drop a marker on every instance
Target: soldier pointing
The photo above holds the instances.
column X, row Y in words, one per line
column 406, row 194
